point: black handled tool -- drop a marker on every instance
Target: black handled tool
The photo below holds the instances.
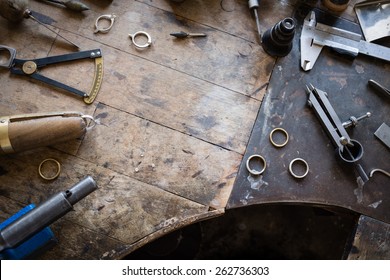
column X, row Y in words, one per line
column 30, row 67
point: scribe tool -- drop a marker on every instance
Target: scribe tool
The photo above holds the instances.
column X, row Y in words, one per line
column 350, row 151
column 254, row 6
column 182, row 35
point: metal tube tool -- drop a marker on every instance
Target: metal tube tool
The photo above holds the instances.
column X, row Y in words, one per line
column 254, row 6
column 45, row 214
column 349, row 150
column 315, row 36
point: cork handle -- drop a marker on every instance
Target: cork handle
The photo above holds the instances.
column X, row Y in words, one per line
column 33, row 133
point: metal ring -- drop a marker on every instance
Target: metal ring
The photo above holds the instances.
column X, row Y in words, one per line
column 93, row 121
column 106, row 29
column 292, row 172
column 253, row 171
column 272, row 140
column 55, row 175
column 147, row 44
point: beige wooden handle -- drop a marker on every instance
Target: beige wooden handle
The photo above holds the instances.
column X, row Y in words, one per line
column 29, row 133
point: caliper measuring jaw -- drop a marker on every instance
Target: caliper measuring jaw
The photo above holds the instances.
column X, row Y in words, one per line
column 316, row 35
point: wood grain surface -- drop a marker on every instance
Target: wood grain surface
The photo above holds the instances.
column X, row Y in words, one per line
column 173, row 120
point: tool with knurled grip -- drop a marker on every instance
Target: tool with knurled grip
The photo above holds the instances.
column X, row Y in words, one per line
column 350, row 151
column 30, row 67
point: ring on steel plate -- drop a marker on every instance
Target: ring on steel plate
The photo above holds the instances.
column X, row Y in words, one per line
column 254, row 171
column 291, row 169
column 272, row 139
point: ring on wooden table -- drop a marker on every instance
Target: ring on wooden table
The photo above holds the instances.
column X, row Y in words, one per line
column 57, row 171
column 142, row 33
column 111, row 18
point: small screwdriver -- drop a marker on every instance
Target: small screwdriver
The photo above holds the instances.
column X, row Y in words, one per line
column 183, row 34
column 254, row 6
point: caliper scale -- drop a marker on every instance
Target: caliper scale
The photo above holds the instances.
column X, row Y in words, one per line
column 30, row 68
column 350, row 151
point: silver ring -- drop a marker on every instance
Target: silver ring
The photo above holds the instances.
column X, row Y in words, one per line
column 143, row 33
column 272, row 140
column 91, row 124
column 111, row 18
column 292, row 172
column 253, row 171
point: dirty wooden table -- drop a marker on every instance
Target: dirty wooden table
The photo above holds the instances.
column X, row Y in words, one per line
column 174, row 120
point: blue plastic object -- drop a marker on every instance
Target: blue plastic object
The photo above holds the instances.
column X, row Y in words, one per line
column 31, row 246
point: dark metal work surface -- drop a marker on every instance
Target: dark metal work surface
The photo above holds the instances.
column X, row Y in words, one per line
column 329, row 182
column 371, row 241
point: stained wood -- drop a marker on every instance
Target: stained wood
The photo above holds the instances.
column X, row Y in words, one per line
column 172, row 124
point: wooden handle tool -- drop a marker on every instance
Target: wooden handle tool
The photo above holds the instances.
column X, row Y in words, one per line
column 24, row 132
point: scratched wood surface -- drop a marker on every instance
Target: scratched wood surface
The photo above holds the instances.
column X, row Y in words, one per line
column 173, row 120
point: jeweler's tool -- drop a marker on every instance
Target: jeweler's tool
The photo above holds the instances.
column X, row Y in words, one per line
column 383, row 134
column 182, row 35
column 70, row 4
column 17, row 10
column 42, row 216
column 349, row 150
column 315, row 36
column 23, row 132
column 379, row 87
column 30, row 68
column 254, row 6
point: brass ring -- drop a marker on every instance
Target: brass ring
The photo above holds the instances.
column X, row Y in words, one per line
column 272, row 140
column 147, row 44
column 55, row 175
column 292, row 172
column 253, row 171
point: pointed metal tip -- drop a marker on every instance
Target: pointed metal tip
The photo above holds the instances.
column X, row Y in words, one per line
column 180, row 34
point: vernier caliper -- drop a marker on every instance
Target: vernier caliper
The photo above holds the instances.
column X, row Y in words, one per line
column 317, row 35
column 349, row 150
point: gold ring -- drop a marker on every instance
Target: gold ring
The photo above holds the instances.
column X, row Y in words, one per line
column 272, row 140
column 254, row 171
column 292, row 172
column 55, row 175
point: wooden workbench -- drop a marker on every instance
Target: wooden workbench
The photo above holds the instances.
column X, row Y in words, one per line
column 174, row 120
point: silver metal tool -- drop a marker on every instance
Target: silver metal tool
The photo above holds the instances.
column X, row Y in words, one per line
column 254, row 6
column 383, row 134
column 349, row 150
column 379, row 87
column 315, row 36
column 182, row 34
column 374, row 18
column 45, row 214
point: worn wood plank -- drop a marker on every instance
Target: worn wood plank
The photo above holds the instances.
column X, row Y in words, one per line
column 189, row 105
column 161, row 157
column 248, row 65
column 123, row 208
